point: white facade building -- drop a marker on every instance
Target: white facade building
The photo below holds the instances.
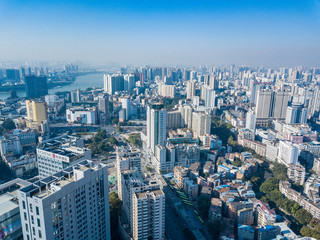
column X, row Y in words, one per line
column 156, row 125
column 82, row 115
column 58, row 153
column 71, row 204
column 288, row 153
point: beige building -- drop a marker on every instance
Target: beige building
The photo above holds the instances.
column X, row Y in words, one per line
column 201, row 123
column 191, row 89
column 36, row 112
column 148, row 210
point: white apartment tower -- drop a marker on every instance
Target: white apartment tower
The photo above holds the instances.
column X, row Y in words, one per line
column 127, row 159
column 288, row 153
column 148, row 209
column 156, row 125
column 251, row 121
column 191, row 89
column 201, row 123
column 71, row 204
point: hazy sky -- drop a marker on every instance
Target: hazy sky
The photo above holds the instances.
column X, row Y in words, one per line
column 260, row 32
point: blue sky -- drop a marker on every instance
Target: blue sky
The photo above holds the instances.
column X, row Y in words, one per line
column 260, row 32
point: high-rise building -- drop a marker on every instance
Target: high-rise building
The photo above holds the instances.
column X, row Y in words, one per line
column 12, row 74
column 127, row 159
column 156, row 125
column 75, row 96
column 191, row 89
column 271, row 105
column 36, row 86
column 288, row 153
column 113, row 83
column 296, row 113
column 126, row 105
column 58, row 153
column 213, row 83
column 251, row 121
column 148, row 210
column 186, row 114
column 10, row 223
column 129, row 82
column 70, row 204
column 103, row 104
column 165, row 90
column 36, row 112
column 201, row 123
column 314, row 105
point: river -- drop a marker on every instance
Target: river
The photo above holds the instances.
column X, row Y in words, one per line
column 82, row 82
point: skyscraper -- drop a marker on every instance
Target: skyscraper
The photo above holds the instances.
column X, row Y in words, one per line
column 12, row 74
column 201, row 123
column 36, row 86
column 271, row 105
column 75, row 96
column 71, row 204
column 103, row 104
column 156, row 125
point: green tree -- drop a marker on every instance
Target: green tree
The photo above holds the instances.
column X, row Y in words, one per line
column 114, row 214
column 269, row 185
column 303, row 216
column 8, row 124
column 113, row 140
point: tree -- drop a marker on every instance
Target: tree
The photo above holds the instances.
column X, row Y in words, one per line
column 114, row 214
column 204, row 205
column 214, row 228
column 113, row 140
column 303, row 216
column 269, row 185
column 8, row 124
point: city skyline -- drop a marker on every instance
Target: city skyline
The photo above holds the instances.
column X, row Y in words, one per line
column 163, row 33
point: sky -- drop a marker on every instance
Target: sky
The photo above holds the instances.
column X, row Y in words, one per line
column 275, row 33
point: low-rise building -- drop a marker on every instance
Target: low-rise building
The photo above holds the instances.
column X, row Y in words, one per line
column 296, row 173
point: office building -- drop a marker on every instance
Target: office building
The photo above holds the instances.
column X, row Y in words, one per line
column 191, row 89
column 36, row 112
column 174, row 120
column 82, row 115
column 148, row 210
column 296, row 173
column 288, row 153
column 58, row 153
column 201, row 123
column 113, row 83
column 10, row 223
column 36, row 86
column 156, row 125
column 70, row 204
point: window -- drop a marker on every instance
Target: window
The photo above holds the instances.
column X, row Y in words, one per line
column 24, row 204
column 40, row 234
column 38, row 221
column 25, row 216
column 37, row 211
